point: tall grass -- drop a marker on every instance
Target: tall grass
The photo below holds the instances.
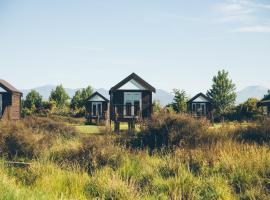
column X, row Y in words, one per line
column 200, row 163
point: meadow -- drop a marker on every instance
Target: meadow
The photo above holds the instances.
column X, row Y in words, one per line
column 171, row 156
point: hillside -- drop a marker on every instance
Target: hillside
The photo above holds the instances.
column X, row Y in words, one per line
column 163, row 96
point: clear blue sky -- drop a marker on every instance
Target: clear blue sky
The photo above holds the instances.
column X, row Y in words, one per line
column 172, row 44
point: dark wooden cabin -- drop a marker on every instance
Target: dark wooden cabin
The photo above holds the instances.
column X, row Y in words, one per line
column 97, row 108
column 130, row 100
column 200, row 106
column 265, row 104
column 10, row 102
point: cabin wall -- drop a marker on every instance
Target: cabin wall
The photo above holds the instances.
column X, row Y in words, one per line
column 11, row 106
column 89, row 108
column 117, row 100
column 208, row 108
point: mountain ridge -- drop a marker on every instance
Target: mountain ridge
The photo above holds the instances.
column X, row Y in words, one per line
column 163, row 96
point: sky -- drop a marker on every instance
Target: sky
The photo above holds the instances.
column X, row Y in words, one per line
column 170, row 43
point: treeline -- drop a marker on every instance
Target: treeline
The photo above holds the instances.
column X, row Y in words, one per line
column 59, row 102
column 223, row 96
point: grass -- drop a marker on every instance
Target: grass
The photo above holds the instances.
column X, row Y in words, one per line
column 88, row 129
column 67, row 165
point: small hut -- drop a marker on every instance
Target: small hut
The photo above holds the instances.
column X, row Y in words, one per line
column 130, row 100
column 200, row 106
column 10, row 101
column 265, row 104
column 97, row 108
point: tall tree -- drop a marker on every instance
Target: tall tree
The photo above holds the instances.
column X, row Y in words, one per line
column 248, row 109
column 267, row 95
column 79, row 99
column 60, row 96
column 76, row 100
column 222, row 93
column 179, row 101
column 33, row 100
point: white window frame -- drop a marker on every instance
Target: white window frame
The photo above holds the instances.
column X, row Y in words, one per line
column 96, row 104
column 131, row 97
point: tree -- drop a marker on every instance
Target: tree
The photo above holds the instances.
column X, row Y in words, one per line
column 267, row 95
column 76, row 100
column 79, row 99
column 222, row 93
column 179, row 101
column 156, row 106
column 60, row 96
column 248, row 109
column 33, row 101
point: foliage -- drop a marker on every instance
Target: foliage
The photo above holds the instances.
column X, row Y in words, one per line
column 267, row 95
column 228, row 162
column 169, row 130
column 222, row 94
column 248, row 110
column 59, row 96
column 33, row 101
column 179, row 101
column 79, row 99
column 156, row 106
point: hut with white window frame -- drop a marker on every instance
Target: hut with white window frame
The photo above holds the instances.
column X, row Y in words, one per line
column 200, row 106
column 130, row 101
column 97, row 108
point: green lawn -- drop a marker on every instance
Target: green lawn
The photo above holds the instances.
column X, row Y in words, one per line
column 93, row 129
column 87, row 129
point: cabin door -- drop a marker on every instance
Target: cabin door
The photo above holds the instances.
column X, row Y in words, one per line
column 1, row 105
column 97, row 109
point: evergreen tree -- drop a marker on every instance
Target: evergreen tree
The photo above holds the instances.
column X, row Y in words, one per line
column 59, row 96
column 179, row 101
column 33, row 101
column 222, row 93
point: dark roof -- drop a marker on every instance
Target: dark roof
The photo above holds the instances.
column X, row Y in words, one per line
column 200, row 94
column 8, row 87
column 136, row 78
column 265, row 101
column 97, row 93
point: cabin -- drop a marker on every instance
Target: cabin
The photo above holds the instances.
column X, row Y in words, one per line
column 130, row 101
column 96, row 108
column 10, row 101
column 265, row 104
column 200, row 106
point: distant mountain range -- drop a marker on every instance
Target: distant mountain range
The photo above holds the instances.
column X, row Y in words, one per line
column 251, row 91
column 163, row 96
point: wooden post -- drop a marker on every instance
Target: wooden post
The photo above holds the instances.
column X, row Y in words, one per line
column 116, row 126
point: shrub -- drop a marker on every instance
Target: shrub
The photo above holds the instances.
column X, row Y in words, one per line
column 169, row 130
column 259, row 133
column 93, row 153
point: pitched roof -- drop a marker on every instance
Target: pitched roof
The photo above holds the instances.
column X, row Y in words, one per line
column 137, row 79
column 7, row 86
column 200, row 94
column 97, row 93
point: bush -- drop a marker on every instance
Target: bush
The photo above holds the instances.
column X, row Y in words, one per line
column 95, row 152
column 259, row 133
column 170, row 130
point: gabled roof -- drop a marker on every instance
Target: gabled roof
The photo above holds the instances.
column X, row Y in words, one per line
column 198, row 95
column 97, row 93
column 8, row 87
column 135, row 77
